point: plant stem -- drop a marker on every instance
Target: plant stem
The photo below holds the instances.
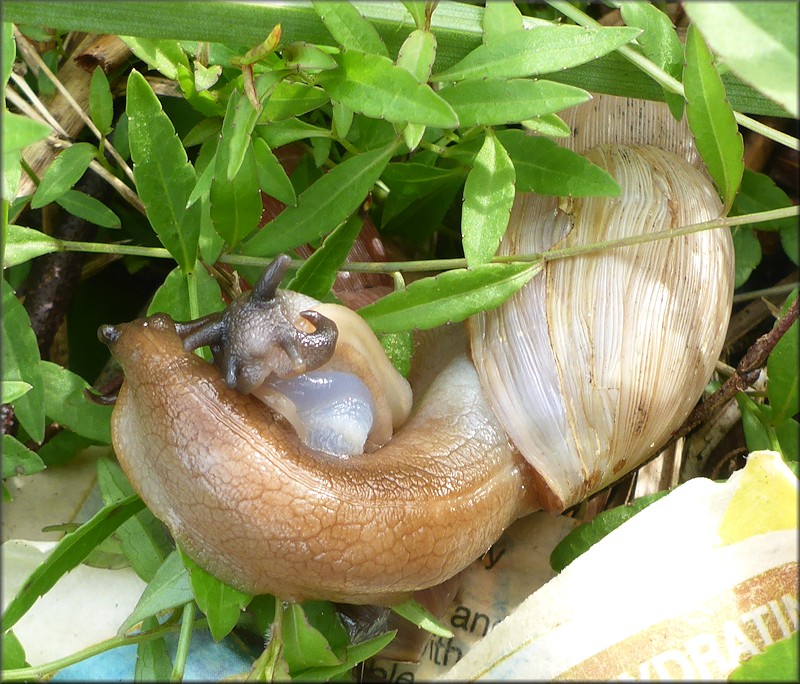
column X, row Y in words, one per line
column 665, row 80
column 446, row 264
column 766, row 292
column 26, row 673
column 184, row 639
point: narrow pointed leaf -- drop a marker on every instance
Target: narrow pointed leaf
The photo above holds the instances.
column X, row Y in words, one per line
column 18, row 459
column 659, row 42
column 544, row 167
column 316, row 276
column 24, row 244
column 495, row 101
column 169, row 588
column 272, row 176
column 757, row 40
column 372, row 85
column 13, row 390
column 164, row 55
column 540, row 50
column 548, row 124
column 88, row 208
column 164, row 177
column 71, row 551
column 21, row 362
column 101, row 104
column 323, row 205
column 450, row 297
column 279, row 133
column 293, row 99
column 221, row 604
column 66, row 404
column 711, row 119
column 499, row 19
column 235, row 203
column 488, row 196
column 349, row 28
column 66, row 170
column 417, row 54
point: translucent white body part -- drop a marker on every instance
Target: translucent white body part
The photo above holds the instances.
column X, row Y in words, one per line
column 331, row 411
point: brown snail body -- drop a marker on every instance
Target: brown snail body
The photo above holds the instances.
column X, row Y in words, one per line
column 250, row 502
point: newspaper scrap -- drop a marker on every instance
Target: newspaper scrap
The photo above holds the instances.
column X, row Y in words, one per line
column 699, row 581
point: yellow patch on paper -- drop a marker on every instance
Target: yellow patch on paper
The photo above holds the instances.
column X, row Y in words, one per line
column 765, row 500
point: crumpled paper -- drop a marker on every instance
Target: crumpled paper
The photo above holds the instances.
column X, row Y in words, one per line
column 694, row 584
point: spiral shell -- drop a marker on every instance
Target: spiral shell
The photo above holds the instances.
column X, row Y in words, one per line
column 599, row 358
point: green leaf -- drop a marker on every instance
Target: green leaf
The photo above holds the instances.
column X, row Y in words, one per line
column 272, row 176
column 548, row 124
column 24, row 244
column 316, row 276
column 303, row 645
column 583, row 537
column 8, row 51
column 349, row 28
column 69, row 553
column 790, row 241
column 164, row 177
column 142, row 538
column 293, row 99
column 373, row 86
column 221, row 604
column 417, row 11
column 783, row 370
column 21, row 363
column 101, row 104
column 500, row 19
column 450, row 297
column 788, row 434
column 66, row 170
column 488, row 196
column 153, row 663
column 494, row 101
column 62, row 447
column 659, row 42
column 19, row 132
column 66, row 404
column 13, row 390
column 757, row 41
column 173, row 295
column 342, row 119
column 18, row 459
column 409, row 181
column 541, row 50
column 13, row 652
column 235, row 204
column 355, row 654
column 544, row 167
column 711, row 119
column 304, row 57
column 758, row 192
column 747, row 252
column 93, row 210
column 420, row 616
column 777, row 663
column 279, row 133
column 240, row 119
column 164, row 55
column 205, row 129
column 168, row 589
column 755, row 421
column 322, row 206
column 417, row 54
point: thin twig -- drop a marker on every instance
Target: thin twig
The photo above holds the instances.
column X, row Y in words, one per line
column 44, row 113
column 747, row 372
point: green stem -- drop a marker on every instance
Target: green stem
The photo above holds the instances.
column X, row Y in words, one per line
column 446, row 264
column 766, row 292
column 184, row 639
column 25, row 673
column 665, row 80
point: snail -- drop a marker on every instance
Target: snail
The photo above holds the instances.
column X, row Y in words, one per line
column 578, row 378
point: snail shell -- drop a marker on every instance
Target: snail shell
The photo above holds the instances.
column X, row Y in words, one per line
column 615, row 349
column 587, row 370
